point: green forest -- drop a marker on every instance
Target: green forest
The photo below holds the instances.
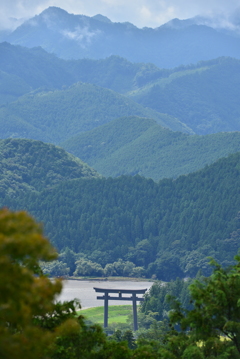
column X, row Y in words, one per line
column 135, row 145
column 165, row 230
column 27, row 165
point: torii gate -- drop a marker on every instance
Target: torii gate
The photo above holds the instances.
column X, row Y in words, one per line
column 133, row 298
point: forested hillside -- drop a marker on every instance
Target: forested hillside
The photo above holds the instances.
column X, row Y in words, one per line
column 135, row 145
column 169, row 228
column 205, row 99
column 28, row 69
column 32, row 166
column 58, row 115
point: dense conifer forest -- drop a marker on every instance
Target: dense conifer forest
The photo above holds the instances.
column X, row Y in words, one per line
column 135, row 145
column 167, row 228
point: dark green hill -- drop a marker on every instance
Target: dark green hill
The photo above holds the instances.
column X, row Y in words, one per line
column 58, row 115
column 27, row 165
column 170, row 228
column 206, row 99
column 134, row 145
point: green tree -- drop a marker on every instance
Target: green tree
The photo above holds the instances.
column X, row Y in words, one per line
column 214, row 320
column 55, row 269
column 23, row 294
column 69, row 257
column 31, row 322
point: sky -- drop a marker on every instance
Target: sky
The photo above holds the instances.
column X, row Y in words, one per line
column 149, row 13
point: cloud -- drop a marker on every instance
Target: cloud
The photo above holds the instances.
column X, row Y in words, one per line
column 81, row 35
column 151, row 13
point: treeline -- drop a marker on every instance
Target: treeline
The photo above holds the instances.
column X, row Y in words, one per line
column 79, row 265
column 169, row 228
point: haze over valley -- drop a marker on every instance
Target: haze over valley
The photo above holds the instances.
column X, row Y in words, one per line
column 124, row 141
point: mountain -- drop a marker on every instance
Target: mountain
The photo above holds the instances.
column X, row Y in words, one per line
column 23, row 70
column 77, row 36
column 170, row 228
column 32, row 166
column 135, row 145
column 205, row 98
column 11, row 87
column 57, row 115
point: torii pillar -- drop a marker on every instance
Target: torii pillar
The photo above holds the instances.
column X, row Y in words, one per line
column 106, row 297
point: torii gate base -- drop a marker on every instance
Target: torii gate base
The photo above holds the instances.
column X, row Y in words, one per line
column 133, row 298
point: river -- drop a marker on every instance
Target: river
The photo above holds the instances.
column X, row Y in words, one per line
column 83, row 290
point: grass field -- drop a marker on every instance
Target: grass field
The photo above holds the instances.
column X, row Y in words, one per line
column 116, row 314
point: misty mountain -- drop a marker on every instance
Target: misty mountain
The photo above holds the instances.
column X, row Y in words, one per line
column 24, row 69
column 77, row 36
column 204, row 96
column 221, row 23
column 35, row 66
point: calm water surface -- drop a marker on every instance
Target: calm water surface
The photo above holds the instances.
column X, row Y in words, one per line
column 84, row 291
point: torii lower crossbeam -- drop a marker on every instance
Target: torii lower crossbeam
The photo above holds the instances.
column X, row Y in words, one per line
column 106, row 297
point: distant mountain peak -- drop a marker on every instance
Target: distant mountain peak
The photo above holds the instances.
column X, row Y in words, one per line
column 218, row 22
column 54, row 9
column 102, row 18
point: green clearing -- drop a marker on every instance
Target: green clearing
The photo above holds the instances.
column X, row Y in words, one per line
column 116, row 314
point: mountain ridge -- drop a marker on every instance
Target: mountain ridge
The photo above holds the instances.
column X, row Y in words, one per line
column 134, row 145
column 57, row 115
column 86, row 37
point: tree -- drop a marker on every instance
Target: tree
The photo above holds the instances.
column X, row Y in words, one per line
column 28, row 325
column 32, row 324
column 69, row 257
column 55, row 269
column 214, row 320
column 86, row 267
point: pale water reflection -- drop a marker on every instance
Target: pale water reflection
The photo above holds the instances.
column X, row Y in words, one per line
column 84, row 291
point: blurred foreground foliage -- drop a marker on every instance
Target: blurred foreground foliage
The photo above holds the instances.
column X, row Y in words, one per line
column 34, row 325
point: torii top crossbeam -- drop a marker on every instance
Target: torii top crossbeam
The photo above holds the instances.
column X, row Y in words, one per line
column 120, row 292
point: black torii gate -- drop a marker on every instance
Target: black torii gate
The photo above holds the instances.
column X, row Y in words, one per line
column 133, row 298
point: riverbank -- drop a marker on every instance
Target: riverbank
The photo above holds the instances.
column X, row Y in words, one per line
column 84, row 290
column 111, row 279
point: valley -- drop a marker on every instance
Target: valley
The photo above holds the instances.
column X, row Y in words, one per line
column 149, row 183
column 119, row 159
